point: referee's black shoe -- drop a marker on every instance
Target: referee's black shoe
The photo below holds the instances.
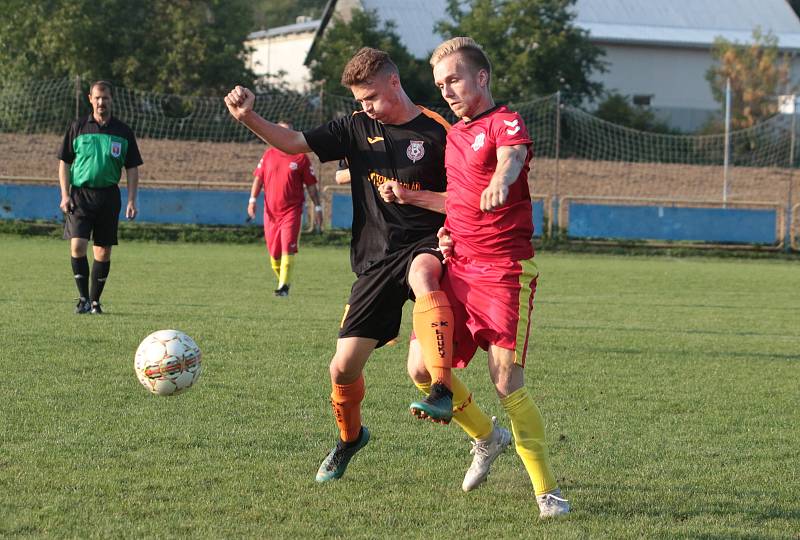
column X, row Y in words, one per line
column 83, row 306
column 96, row 309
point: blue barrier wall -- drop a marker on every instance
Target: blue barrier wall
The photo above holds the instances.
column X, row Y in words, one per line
column 18, row 201
column 718, row 225
column 342, row 213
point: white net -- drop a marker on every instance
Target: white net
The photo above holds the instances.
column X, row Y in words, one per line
column 193, row 141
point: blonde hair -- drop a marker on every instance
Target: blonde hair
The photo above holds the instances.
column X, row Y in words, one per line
column 365, row 65
column 469, row 49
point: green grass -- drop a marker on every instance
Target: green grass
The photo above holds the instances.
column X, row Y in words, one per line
column 669, row 387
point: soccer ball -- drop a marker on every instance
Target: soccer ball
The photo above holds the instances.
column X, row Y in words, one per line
column 167, row 362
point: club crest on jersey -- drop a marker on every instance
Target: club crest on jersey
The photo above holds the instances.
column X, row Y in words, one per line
column 116, row 149
column 479, row 140
column 293, row 165
column 415, row 150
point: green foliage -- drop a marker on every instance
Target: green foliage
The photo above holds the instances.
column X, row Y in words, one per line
column 182, row 47
column 534, row 47
column 343, row 39
column 757, row 73
column 618, row 109
column 671, row 411
column 272, row 13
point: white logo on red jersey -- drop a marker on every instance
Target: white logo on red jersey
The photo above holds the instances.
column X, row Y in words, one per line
column 415, row 150
column 293, row 165
column 479, row 140
column 515, row 125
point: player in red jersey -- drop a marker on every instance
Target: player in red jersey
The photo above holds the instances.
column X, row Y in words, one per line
column 491, row 277
column 282, row 176
column 394, row 250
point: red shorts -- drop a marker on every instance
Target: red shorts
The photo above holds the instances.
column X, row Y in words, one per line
column 282, row 233
column 492, row 305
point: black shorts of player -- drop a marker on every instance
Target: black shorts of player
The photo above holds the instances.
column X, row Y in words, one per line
column 94, row 215
column 375, row 307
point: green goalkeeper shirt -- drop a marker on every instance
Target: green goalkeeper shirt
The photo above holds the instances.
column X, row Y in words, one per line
column 97, row 154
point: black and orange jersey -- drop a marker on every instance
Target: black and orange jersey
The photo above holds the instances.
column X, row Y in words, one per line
column 411, row 153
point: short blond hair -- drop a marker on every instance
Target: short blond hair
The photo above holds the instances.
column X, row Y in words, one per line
column 469, row 49
column 365, row 65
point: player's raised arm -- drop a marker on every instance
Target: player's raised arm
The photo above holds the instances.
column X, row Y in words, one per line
column 240, row 102
column 510, row 161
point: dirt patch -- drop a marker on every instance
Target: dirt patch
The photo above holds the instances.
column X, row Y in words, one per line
column 229, row 166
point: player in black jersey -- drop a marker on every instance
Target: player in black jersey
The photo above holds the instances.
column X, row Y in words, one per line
column 396, row 146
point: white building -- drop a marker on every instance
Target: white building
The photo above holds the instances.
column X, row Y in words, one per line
column 278, row 54
column 658, row 51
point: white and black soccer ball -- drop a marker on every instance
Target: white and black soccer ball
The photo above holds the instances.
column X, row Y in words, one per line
column 167, row 362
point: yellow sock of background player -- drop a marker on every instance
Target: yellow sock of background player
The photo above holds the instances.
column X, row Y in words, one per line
column 276, row 267
column 527, row 425
column 285, row 270
column 466, row 412
column 433, row 326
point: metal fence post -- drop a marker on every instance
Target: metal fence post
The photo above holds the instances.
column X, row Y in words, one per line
column 554, row 218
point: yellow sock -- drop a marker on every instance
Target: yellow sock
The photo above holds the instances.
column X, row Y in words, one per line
column 276, row 267
column 466, row 412
column 433, row 325
column 286, row 270
column 528, row 428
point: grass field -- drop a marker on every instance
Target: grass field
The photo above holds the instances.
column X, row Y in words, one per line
column 669, row 386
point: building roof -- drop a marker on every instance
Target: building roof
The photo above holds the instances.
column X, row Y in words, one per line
column 688, row 23
column 682, row 23
column 296, row 28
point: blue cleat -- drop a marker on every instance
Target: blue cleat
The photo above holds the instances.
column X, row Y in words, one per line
column 436, row 406
column 335, row 463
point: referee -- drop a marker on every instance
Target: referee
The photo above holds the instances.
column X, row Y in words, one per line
column 95, row 150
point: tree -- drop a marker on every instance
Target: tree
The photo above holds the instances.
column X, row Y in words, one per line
column 272, row 13
column 173, row 46
column 617, row 109
column 342, row 40
column 756, row 74
column 533, row 45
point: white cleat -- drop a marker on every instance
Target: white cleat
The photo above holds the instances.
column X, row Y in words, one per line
column 484, row 452
column 551, row 504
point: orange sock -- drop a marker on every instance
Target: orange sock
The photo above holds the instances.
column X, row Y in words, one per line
column 346, row 402
column 433, row 326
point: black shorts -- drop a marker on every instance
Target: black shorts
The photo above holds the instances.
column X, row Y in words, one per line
column 94, row 215
column 375, row 307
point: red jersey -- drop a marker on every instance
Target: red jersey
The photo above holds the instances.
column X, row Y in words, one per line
column 471, row 160
column 282, row 178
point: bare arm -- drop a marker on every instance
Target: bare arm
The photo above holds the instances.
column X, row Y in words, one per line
column 313, row 192
column 510, row 161
column 393, row 191
column 132, row 178
column 255, row 189
column 240, row 104
column 342, row 176
column 63, row 182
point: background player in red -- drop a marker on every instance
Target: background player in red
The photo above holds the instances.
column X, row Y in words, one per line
column 282, row 176
column 491, row 277
column 394, row 251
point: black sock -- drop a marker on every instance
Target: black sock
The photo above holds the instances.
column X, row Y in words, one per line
column 99, row 274
column 80, row 269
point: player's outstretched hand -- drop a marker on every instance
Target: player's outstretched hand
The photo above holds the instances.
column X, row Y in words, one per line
column 494, row 196
column 445, row 242
column 240, row 102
